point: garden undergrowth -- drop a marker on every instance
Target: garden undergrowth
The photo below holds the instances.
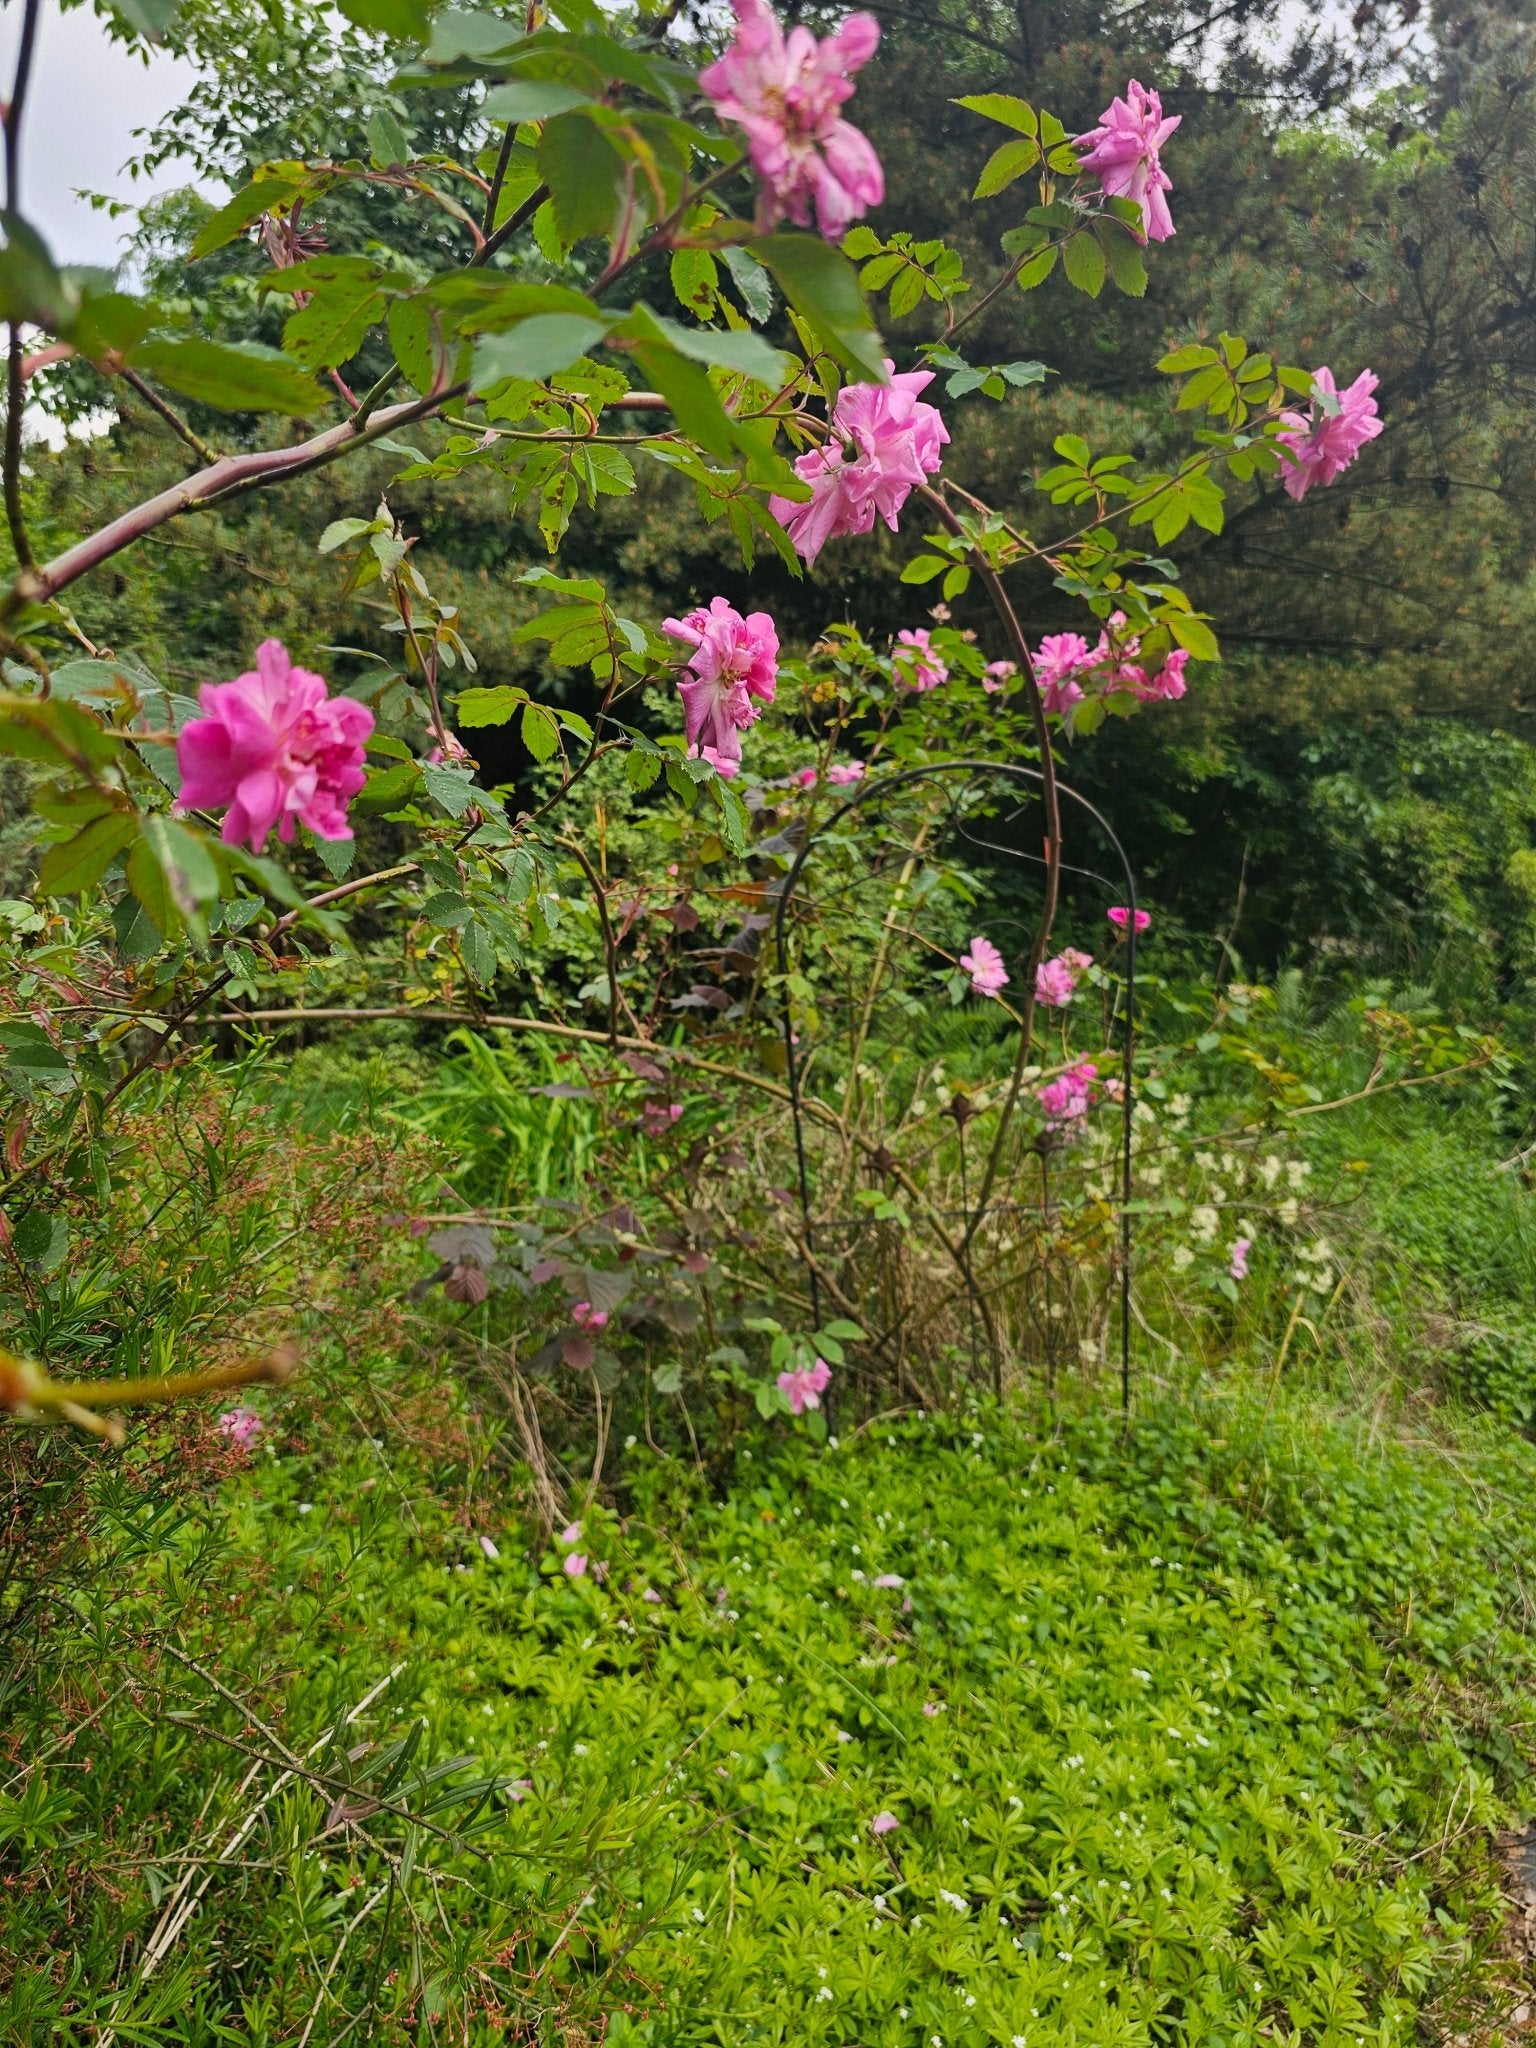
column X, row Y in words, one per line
column 1196, row 1731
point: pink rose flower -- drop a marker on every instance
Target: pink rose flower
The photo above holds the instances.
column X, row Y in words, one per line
column 984, row 964
column 841, row 773
column 1238, row 1267
column 786, row 93
column 997, row 675
column 804, row 778
column 1069, row 1097
column 804, row 1388
column 571, row 1533
column 932, row 1709
column 273, row 749
column 1168, row 684
column 731, row 674
column 455, row 752
column 884, row 1824
column 1326, row 441
column 241, row 1425
column 1120, row 917
column 884, row 441
column 1078, row 962
column 1056, row 982
column 1059, row 660
column 916, row 663
column 575, row 1566
column 586, row 1317
column 888, row 1580
column 1125, row 150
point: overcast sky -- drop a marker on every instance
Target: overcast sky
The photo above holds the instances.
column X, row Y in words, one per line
column 88, row 96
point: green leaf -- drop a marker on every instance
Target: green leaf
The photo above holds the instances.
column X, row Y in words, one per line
column 531, row 99
column 31, row 1060
column 1194, row 635
column 134, row 929
column 923, row 568
column 388, row 143
column 80, row 862
column 751, row 281
column 453, row 788
column 235, row 376
column 329, row 330
column 152, row 890
column 535, row 349
column 641, row 770
column 1127, row 264
column 489, row 707
column 477, row 950
column 1037, row 268
column 695, row 280
column 340, row 531
column 1085, row 264
column 540, row 734
column 262, row 195
column 583, row 171
column 404, row 21
column 1002, row 106
column 32, row 288
column 823, row 287
column 722, row 348
column 42, row 1240
column 1011, row 161
column 150, row 19
column 1192, row 357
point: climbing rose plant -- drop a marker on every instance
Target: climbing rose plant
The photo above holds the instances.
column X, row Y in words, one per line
column 609, row 169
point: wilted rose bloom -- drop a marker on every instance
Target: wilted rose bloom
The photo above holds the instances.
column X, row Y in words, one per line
column 785, row 91
column 731, row 674
column 984, row 964
column 804, row 778
column 586, row 1317
column 997, row 675
column 1238, row 1266
column 884, row 440
column 575, row 1566
column 454, row 751
column 1120, row 917
column 1077, row 961
column 884, row 1824
column 1327, row 441
column 1069, row 1096
column 657, row 1118
column 805, row 1387
column 1055, row 982
column 241, row 1425
column 916, row 663
column 1125, row 150
column 273, row 749
column 841, row 773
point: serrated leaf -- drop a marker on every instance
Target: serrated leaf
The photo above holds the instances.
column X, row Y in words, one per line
column 453, row 788
column 583, row 171
column 405, row 21
column 539, row 732
column 234, row 376
column 329, row 330
column 1004, row 107
column 531, row 99
column 1037, row 268
column 80, row 862
column 477, row 949
column 494, row 706
column 1005, row 164
column 822, row 286
column 1180, row 360
column 388, row 143
column 261, row 195
column 923, row 568
column 751, row 281
column 534, row 349
column 1085, row 264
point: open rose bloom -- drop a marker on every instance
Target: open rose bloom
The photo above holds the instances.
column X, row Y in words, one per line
column 786, row 93
column 272, row 749
column 1126, row 151
column 885, row 440
column 804, row 1388
column 1068, row 669
column 984, row 964
column 1326, row 442
column 731, row 675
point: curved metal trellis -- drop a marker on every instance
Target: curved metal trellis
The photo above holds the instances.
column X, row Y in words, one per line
column 974, row 770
